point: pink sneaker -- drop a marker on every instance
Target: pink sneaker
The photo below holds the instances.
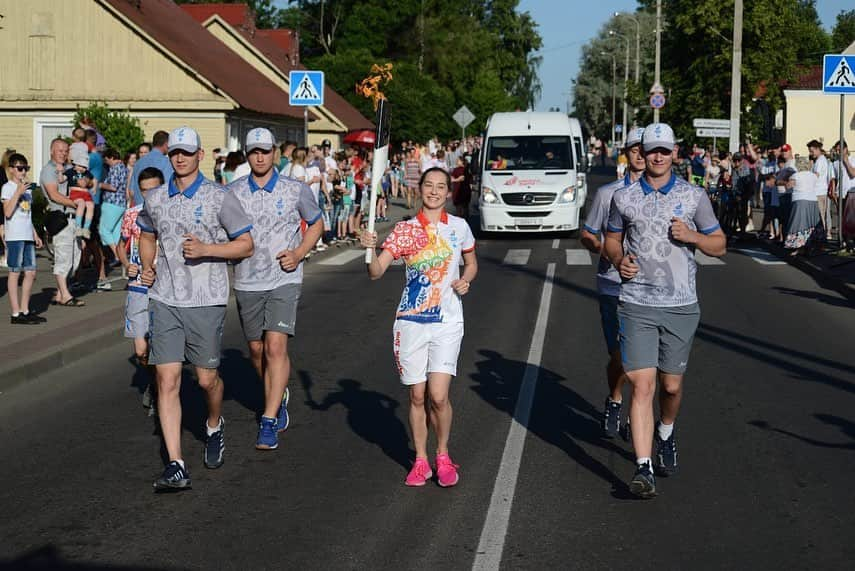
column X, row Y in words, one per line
column 419, row 474
column 446, row 471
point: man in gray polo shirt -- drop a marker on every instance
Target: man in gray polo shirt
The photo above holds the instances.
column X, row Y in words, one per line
column 193, row 226
column 608, row 279
column 655, row 225
column 267, row 285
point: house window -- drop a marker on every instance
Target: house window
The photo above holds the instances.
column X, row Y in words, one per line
column 46, row 130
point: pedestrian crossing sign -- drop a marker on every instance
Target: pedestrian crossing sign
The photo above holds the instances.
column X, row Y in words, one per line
column 306, row 88
column 838, row 74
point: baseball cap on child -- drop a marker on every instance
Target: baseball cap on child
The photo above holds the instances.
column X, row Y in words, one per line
column 184, row 139
column 79, row 157
column 658, row 136
column 259, row 138
column 634, row 137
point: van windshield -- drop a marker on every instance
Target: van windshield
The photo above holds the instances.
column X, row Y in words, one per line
column 529, row 153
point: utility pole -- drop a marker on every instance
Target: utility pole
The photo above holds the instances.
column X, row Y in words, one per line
column 657, row 78
column 736, row 77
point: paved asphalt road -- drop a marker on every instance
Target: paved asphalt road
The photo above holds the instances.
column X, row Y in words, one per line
column 767, row 440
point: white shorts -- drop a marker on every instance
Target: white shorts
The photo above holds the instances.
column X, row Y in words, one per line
column 422, row 348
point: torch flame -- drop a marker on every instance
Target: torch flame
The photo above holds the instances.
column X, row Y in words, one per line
column 370, row 86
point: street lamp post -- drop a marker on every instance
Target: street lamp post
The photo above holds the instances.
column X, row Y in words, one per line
column 637, row 50
column 614, row 76
column 625, row 82
column 656, row 77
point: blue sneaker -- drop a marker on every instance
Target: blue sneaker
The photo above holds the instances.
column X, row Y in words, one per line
column 643, row 484
column 666, row 454
column 267, row 435
column 174, row 479
column 282, row 419
column 215, row 445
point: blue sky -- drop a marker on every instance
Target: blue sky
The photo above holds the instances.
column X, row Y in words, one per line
column 565, row 28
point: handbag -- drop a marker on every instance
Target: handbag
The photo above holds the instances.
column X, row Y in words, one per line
column 55, row 222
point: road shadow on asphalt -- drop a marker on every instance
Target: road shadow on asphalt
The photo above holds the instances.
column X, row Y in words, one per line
column 832, row 300
column 847, row 427
column 49, row 557
column 560, row 416
column 778, row 356
column 370, row 415
column 241, row 381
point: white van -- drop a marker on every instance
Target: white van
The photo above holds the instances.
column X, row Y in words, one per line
column 531, row 173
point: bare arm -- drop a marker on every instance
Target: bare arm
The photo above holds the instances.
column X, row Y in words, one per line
column 11, row 204
column 52, row 190
column 237, row 249
column 470, row 270
column 712, row 244
column 591, row 241
column 148, row 249
column 379, row 262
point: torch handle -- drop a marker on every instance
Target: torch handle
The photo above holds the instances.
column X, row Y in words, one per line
column 378, row 168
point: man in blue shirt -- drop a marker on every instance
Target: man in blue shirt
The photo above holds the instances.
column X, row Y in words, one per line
column 655, row 225
column 155, row 158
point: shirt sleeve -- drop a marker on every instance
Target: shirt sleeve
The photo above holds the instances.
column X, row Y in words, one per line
column 233, row 217
column 8, row 190
column 307, row 205
column 401, row 241
column 705, row 219
column 468, row 243
column 48, row 176
column 597, row 215
column 145, row 222
column 615, row 223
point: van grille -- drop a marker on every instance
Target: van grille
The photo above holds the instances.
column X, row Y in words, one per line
column 528, row 198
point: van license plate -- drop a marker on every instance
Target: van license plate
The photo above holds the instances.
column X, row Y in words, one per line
column 529, row 221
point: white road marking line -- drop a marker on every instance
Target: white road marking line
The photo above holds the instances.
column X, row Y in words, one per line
column 516, row 257
column 762, row 257
column 492, row 542
column 703, row 260
column 555, row 243
column 578, row 257
column 343, row 258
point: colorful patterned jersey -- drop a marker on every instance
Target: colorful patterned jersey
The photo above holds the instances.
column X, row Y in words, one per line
column 431, row 254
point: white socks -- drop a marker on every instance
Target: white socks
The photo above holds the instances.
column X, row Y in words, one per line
column 210, row 430
column 665, row 430
column 642, row 461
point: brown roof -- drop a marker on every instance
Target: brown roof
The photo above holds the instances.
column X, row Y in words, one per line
column 177, row 31
column 807, row 77
column 272, row 43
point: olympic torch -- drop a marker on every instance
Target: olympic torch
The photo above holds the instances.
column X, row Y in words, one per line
column 370, row 88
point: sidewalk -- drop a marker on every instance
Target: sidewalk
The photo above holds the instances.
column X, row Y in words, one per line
column 73, row 333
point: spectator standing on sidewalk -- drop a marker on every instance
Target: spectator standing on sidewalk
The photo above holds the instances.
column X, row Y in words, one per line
column 846, row 189
column 804, row 228
column 189, row 295
column 268, row 283
column 66, row 247
column 21, row 239
column 114, row 201
column 155, row 157
column 785, row 191
column 822, row 170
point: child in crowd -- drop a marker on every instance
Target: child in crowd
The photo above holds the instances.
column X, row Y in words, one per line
column 79, row 180
column 136, row 306
column 21, row 239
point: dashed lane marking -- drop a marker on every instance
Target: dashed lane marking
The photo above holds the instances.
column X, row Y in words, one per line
column 516, row 257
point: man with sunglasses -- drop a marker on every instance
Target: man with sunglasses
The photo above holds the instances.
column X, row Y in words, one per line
column 267, row 284
column 655, row 225
column 194, row 227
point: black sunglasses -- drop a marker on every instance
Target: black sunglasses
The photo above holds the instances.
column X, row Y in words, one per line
column 21, row 168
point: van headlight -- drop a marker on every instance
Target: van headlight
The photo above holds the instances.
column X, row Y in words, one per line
column 567, row 195
column 489, row 196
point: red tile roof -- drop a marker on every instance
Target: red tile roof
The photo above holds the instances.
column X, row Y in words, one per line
column 807, row 77
column 282, row 48
column 235, row 14
column 179, row 33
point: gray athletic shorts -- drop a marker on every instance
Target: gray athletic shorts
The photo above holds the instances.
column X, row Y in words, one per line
column 137, row 317
column 657, row 337
column 191, row 333
column 274, row 310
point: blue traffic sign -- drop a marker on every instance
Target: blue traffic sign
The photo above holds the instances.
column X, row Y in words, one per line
column 306, row 88
column 838, row 74
column 657, row 100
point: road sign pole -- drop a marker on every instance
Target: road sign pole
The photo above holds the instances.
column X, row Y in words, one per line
column 840, row 177
column 305, row 126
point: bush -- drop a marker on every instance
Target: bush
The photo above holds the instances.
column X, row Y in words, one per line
column 121, row 131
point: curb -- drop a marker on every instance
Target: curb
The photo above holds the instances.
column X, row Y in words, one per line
column 817, row 272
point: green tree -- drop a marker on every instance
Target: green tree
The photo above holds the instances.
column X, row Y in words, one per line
column 843, row 33
column 121, row 131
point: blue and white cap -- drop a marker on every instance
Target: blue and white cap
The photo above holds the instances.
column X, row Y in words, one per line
column 658, row 136
column 634, row 137
column 184, row 139
column 259, row 138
